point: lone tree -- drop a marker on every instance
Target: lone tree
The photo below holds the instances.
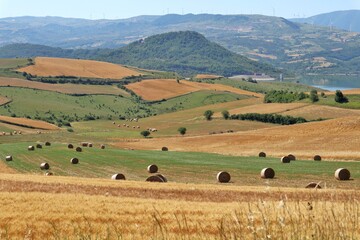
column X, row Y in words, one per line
column 208, row 114
column 340, row 98
column 314, row 96
column 225, row 114
column 182, row 130
column 145, row 133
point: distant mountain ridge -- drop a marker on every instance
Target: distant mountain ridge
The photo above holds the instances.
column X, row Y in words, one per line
column 185, row 52
column 297, row 47
column 347, row 20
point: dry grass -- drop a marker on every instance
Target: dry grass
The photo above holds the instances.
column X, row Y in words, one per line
column 107, row 211
column 28, row 123
column 332, row 139
column 45, row 66
column 351, row 91
column 159, row 89
column 207, row 76
column 4, row 100
column 62, row 88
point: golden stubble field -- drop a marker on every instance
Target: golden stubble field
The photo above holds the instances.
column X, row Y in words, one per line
column 40, row 207
column 158, row 89
column 28, row 123
column 45, row 66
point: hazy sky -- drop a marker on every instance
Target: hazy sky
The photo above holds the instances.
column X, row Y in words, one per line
column 115, row 9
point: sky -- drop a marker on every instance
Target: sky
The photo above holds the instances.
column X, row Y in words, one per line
column 119, row 9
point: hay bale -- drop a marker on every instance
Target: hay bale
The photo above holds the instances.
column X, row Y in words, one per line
column 342, row 174
column 262, row 154
column 90, row 145
column 70, row 146
column 317, row 158
column 267, row 173
column 313, row 185
column 154, row 179
column 74, row 160
column 285, row 159
column 223, row 177
column 31, row 148
column 8, row 158
column 291, row 157
column 49, row 174
column 44, row 166
column 162, row 177
column 78, row 149
column 152, row 168
column 114, row 123
column 164, row 149
column 47, row 144
column 84, row 144
column 102, row 146
column 38, row 145
column 118, row 176
column 19, row 132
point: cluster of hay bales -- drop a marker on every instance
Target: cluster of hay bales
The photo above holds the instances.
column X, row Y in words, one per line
column 342, row 174
column 44, row 166
column 152, row 129
column 223, row 177
column 267, row 173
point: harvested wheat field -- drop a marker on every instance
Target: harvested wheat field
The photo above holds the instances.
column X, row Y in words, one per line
column 28, row 123
column 350, row 91
column 130, row 211
column 45, row 66
column 333, row 139
column 62, row 88
column 207, row 76
column 158, row 89
column 265, row 108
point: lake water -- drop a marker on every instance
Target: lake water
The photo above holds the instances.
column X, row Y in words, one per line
column 332, row 83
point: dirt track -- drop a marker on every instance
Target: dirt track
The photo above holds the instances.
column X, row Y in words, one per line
column 45, row 66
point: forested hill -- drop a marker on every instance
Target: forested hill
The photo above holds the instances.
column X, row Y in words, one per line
column 185, row 52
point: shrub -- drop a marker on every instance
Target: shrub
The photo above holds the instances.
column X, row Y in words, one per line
column 145, row 133
column 225, row 114
column 340, row 98
column 314, row 96
column 208, row 114
column 182, row 130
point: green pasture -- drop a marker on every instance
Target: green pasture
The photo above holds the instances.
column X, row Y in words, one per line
column 176, row 166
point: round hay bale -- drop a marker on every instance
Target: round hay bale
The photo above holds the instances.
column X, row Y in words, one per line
column 317, row 158
column 262, row 154
column 44, row 166
column 78, row 149
column 223, row 177
column 313, row 185
column 118, row 176
column 47, row 144
column 70, row 146
column 164, row 149
column 90, row 145
column 9, row 158
column 84, row 144
column 31, row 148
column 292, row 157
column 102, row 146
column 49, row 174
column 162, row 177
column 342, row 174
column 154, row 179
column 285, row 159
column 74, row 160
column 38, row 145
column 152, row 168
column 267, row 173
